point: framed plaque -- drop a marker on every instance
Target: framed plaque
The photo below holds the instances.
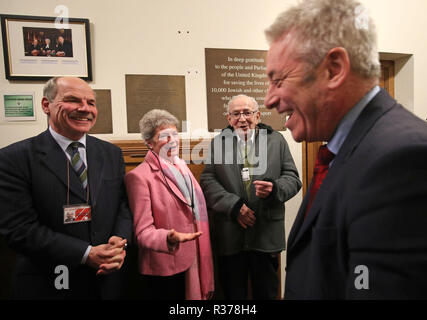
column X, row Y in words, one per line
column 38, row 48
column 18, row 106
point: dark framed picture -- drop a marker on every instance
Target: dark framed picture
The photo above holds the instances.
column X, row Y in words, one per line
column 38, row 48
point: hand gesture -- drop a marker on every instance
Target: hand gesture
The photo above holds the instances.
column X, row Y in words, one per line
column 175, row 237
column 263, row 188
column 246, row 217
column 109, row 257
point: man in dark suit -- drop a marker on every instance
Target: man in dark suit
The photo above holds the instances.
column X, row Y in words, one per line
column 68, row 226
column 64, row 48
column 34, row 48
column 363, row 234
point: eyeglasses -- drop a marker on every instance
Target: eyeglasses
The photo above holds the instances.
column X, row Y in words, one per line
column 246, row 114
column 165, row 134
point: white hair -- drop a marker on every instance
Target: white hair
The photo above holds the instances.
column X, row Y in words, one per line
column 321, row 25
column 251, row 102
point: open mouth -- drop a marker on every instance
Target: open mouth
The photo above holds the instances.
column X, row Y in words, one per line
column 288, row 115
column 81, row 117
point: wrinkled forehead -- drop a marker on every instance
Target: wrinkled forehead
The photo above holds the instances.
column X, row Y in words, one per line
column 75, row 87
column 282, row 52
column 242, row 104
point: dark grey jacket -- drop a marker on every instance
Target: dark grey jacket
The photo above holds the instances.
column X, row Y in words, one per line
column 225, row 193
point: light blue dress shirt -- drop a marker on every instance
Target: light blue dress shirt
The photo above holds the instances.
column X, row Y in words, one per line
column 347, row 122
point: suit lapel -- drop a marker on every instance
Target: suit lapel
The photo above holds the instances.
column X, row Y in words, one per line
column 56, row 161
column 379, row 105
column 95, row 161
column 53, row 157
column 153, row 161
column 299, row 220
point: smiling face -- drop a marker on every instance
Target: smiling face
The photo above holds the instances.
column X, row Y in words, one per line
column 73, row 112
column 296, row 89
column 165, row 142
column 236, row 117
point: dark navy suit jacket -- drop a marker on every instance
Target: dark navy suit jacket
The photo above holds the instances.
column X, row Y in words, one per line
column 33, row 191
column 365, row 235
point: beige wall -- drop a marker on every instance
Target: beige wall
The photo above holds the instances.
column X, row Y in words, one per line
column 151, row 44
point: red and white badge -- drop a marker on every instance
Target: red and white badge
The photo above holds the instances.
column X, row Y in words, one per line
column 77, row 213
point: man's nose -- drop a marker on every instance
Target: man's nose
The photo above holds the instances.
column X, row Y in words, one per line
column 84, row 106
column 242, row 115
column 271, row 100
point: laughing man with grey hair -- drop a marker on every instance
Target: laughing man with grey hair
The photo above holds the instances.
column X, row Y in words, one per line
column 361, row 230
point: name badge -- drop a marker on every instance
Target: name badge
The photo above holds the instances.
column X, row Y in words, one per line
column 245, row 174
column 77, row 213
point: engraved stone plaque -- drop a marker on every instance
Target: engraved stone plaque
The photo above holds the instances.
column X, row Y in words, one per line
column 104, row 121
column 147, row 92
column 230, row 72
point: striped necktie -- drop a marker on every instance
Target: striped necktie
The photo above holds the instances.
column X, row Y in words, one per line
column 77, row 162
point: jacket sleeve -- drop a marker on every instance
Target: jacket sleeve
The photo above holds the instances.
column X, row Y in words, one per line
column 123, row 227
column 386, row 223
column 146, row 233
column 288, row 183
column 218, row 199
column 19, row 219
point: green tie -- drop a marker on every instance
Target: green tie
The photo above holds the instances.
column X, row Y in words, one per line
column 77, row 162
column 246, row 150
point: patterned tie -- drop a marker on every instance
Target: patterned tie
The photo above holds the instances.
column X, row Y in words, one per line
column 77, row 162
column 324, row 157
column 246, row 150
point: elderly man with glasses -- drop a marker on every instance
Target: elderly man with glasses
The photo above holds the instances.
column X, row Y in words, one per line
column 248, row 175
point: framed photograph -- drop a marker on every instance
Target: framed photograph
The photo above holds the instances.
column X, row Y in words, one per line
column 38, row 48
column 18, row 106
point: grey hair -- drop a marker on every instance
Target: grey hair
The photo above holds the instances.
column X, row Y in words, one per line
column 321, row 25
column 154, row 119
column 251, row 101
column 50, row 89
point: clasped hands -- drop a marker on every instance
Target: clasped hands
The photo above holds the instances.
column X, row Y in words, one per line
column 246, row 216
column 109, row 257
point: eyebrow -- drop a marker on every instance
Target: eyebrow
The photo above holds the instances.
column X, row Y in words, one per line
column 271, row 74
column 73, row 97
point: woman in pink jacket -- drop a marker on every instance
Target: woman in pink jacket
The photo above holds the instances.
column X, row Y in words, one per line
column 170, row 216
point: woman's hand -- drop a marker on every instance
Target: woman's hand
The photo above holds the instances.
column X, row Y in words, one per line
column 175, row 237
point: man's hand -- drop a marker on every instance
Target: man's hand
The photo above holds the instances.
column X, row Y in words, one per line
column 246, row 217
column 263, row 188
column 109, row 257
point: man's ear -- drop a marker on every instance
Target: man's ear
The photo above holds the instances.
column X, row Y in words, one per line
column 45, row 106
column 338, row 66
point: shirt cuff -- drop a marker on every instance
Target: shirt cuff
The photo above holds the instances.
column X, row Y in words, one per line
column 86, row 254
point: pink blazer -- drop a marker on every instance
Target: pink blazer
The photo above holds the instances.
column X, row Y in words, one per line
column 156, row 211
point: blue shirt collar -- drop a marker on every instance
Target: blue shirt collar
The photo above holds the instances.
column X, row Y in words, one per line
column 347, row 122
